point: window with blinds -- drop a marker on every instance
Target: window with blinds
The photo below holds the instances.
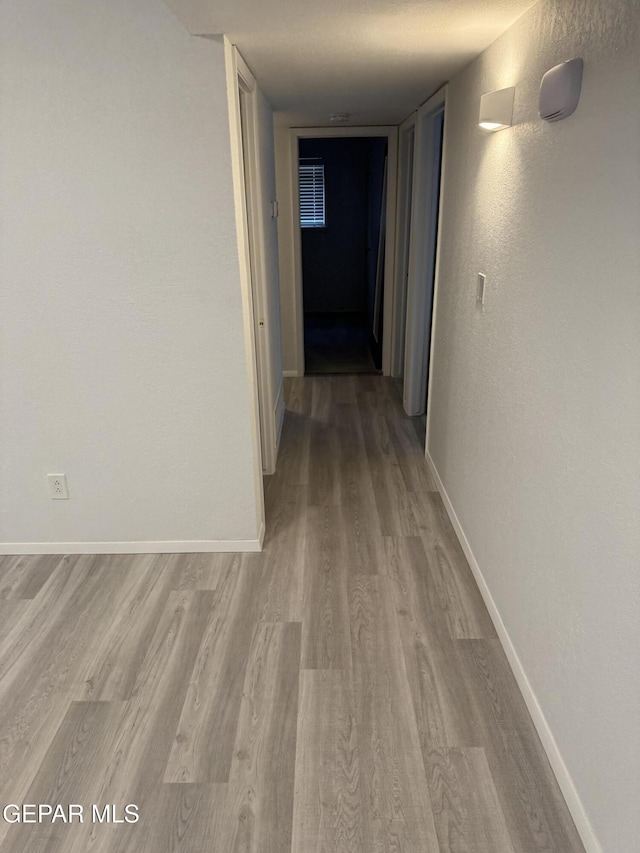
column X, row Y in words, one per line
column 312, row 196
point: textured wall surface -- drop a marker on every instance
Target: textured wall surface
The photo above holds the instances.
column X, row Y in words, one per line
column 122, row 361
column 535, row 416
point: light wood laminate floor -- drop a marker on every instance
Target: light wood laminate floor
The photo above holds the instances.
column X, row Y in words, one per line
column 344, row 690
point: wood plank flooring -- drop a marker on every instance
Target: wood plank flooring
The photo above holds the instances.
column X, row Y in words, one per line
column 341, row 692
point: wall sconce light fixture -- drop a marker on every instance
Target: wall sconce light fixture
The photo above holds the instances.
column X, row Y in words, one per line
column 496, row 109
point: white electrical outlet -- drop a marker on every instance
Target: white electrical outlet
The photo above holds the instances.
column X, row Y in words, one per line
column 58, row 487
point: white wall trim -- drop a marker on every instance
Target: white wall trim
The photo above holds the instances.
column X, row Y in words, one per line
column 290, row 373
column 569, row 791
column 170, row 547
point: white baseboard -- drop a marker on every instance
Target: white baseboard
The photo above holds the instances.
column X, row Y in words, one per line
column 172, row 547
column 569, row 791
column 290, row 373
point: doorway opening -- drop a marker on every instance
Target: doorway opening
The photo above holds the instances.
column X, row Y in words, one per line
column 342, row 192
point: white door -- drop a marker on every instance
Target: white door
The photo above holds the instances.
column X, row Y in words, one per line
column 422, row 253
column 258, row 318
column 254, row 208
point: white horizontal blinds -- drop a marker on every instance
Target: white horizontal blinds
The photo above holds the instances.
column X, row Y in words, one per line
column 311, row 196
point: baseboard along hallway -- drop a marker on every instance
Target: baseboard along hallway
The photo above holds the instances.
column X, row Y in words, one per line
column 343, row 690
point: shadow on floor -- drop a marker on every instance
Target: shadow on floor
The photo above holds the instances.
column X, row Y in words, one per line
column 337, row 343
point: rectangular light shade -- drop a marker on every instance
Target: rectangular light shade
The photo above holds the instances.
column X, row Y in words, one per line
column 496, row 109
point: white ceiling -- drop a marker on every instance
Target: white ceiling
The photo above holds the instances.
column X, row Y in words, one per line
column 376, row 59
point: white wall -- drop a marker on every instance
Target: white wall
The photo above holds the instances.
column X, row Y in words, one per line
column 535, row 400
column 123, row 360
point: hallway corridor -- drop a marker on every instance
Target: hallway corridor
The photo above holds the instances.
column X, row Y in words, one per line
column 343, row 690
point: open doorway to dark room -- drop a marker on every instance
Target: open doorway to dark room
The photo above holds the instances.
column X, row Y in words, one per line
column 342, row 190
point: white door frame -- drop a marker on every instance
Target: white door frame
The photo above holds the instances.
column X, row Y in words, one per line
column 238, row 75
column 391, row 134
column 423, row 256
column 263, row 324
column 405, row 195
